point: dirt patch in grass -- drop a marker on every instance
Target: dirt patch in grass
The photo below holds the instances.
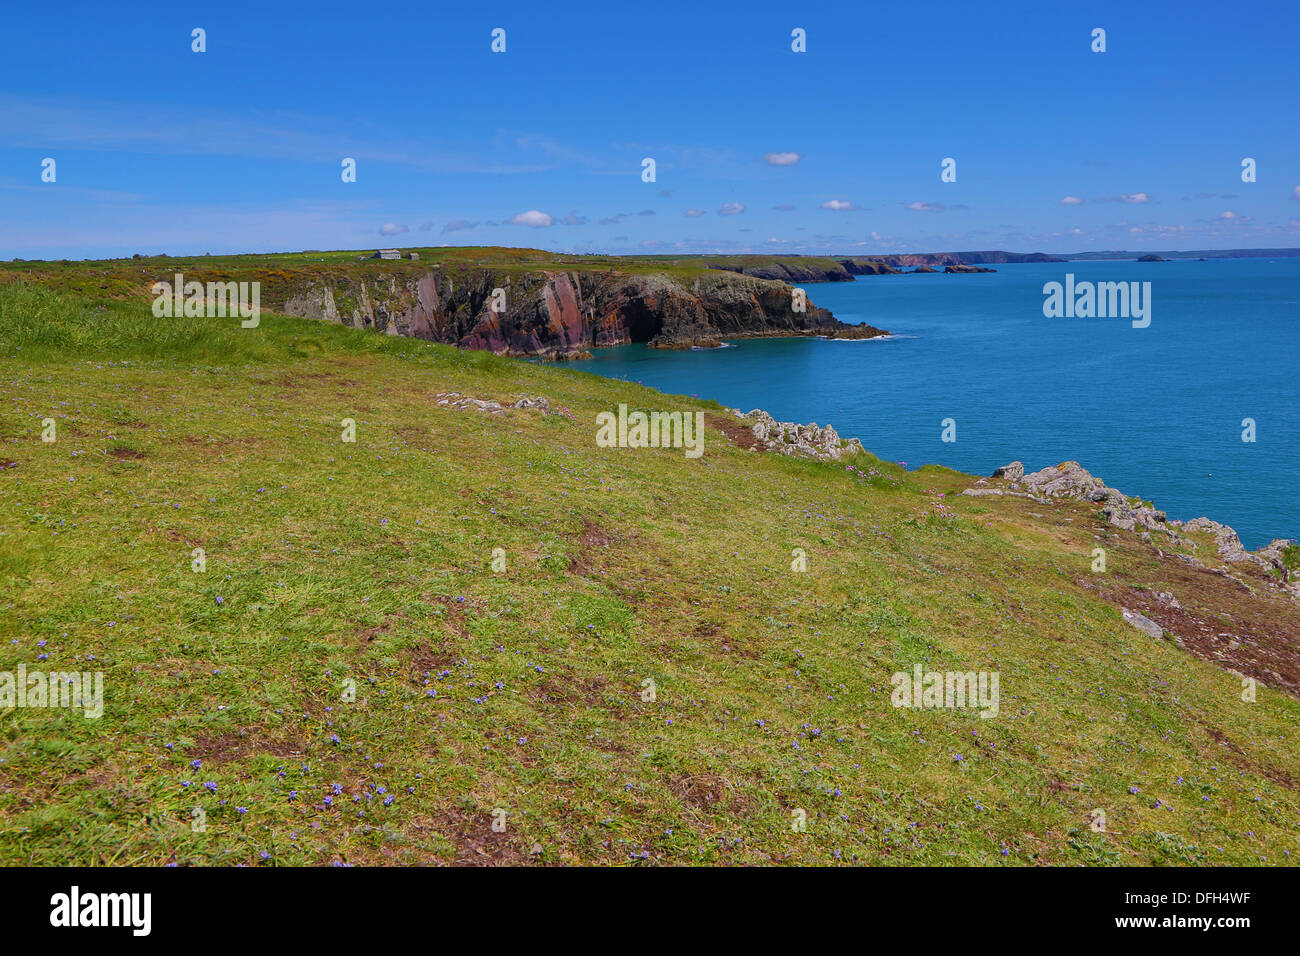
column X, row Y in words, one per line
column 571, row 690
column 702, row 791
column 415, row 434
column 592, row 539
column 430, row 661
column 1220, row 621
column 123, row 453
column 476, row 843
column 717, row 637
column 736, row 433
column 7, row 463
column 455, row 613
column 1239, row 757
column 238, row 745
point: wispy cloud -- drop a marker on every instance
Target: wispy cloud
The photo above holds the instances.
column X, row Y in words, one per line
column 52, row 123
column 781, row 159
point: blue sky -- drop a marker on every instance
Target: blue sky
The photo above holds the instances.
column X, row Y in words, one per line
column 238, row 149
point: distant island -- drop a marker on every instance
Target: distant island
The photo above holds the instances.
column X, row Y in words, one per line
column 1151, row 257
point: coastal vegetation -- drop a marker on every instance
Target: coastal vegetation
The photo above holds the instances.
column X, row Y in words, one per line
column 473, row 635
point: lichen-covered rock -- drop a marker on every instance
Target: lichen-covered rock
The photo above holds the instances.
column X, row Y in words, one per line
column 1225, row 541
column 805, row 441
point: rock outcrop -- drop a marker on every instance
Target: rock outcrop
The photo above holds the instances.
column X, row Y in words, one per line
column 1072, row 481
column 461, row 402
column 561, row 314
column 803, row 441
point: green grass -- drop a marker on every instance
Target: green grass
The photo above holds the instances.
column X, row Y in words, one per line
column 329, row 563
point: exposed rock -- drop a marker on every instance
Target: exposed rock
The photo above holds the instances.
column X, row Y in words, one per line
column 804, row 441
column 1012, row 472
column 867, row 267
column 961, row 258
column 1225, row 540
column 977, row 492
column 1144, row 624
column 1068, row 480
column 962, row 268
column 787, row 271
column 459, row 401
column 539, row 402
column 558, row 314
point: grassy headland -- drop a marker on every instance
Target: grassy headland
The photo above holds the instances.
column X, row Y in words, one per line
column 524, row 689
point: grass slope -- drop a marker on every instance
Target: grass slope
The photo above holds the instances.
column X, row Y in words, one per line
column 523, row 690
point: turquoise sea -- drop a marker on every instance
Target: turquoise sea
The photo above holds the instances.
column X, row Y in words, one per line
column 1156, row 412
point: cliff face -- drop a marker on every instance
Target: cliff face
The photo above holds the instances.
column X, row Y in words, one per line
column 951, row 259
column 562, row 314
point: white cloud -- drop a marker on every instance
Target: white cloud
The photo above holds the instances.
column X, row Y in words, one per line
column 781, row 159
column 1135, row 197
column 924, row 206
column 1071, row 201
column 1295, row 193
column 694, row 212
column 533, row 218
column 838, row 204
column 731, row 209
column 392, row 229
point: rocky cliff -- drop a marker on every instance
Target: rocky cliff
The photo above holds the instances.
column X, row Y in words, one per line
column 561, row 314
column 951, row 259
